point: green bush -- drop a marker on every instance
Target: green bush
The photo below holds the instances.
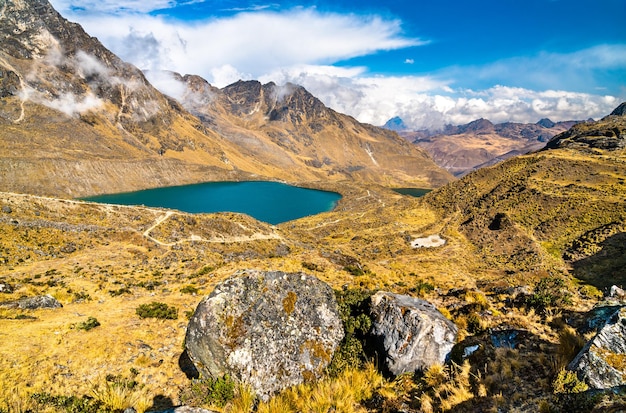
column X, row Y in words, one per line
column 311, row 266
column 87, row 325
column 210, row 392
column 550, row 291
column 422, row 288
column 189, row 289
column 157, row 310
column 120, row 291
column 70, row 404
column 354, row 311
column 355, row 270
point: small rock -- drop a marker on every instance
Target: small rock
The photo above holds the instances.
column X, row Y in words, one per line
column 6, row 288
column 468, row 351
column 507, row 338
column 616, row 292
column 7, row 209
column 411, row 334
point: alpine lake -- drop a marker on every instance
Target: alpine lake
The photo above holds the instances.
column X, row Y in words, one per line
column 271, row 202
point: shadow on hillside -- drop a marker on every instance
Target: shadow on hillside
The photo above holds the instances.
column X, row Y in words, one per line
column 607, row 267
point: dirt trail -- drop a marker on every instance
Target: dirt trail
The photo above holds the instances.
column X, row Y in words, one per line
column 196, row 238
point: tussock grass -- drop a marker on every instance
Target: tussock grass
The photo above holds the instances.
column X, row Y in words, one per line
column 343, row 393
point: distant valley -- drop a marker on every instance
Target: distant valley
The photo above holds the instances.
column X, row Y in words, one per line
column 463, row 148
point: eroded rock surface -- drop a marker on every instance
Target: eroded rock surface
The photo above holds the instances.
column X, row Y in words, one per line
column 602, row 362
column 411, row 333
column 270, row 330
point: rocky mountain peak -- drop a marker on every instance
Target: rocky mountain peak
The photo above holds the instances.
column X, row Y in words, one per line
column 546, row 123
column 620, row 110
column 478, row 126
column 396, row 123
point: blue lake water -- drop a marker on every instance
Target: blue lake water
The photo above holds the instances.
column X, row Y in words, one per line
column 271, row 202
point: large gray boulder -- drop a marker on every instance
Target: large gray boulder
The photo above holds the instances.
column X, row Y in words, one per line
column 270, row 330
column 602, row 362
column 410, row 334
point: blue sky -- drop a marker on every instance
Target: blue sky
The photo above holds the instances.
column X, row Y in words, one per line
column 429, row 62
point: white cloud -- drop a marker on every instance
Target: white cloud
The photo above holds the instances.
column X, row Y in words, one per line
column 251, row 43
column 302, row 44
column 425, row 102
column 68, row 103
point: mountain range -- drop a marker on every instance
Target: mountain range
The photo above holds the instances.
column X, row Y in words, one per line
column 76, row 120
column 463, row 148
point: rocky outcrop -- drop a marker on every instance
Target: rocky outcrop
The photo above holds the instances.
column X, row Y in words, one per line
column 411, row 334
column 607, row 134
column 270, row 330
column 34, row 303
column 602, row 362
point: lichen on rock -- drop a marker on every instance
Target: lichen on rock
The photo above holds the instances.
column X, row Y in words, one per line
column 270, row 330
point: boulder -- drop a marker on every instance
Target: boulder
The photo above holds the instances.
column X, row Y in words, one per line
column 42, row 301
column 409, row 333
column 602, row 362
column 270, row 330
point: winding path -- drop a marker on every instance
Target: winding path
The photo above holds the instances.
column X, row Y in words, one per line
column 196, row 238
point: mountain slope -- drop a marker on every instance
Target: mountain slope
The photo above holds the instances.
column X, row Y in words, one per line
column 76, row 120
column 291, row 128
column 561, row 209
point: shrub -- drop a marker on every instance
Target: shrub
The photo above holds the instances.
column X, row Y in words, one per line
column 68, row 403
column 157, row 310
column 422, row 288
column 120, row 291
column 355, row 270
column 311, row 266
column 189, row 289
column 354, row 311
column 550, row 291
column 87, row 325
column 210, row 392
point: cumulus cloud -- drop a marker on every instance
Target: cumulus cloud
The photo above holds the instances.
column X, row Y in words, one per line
column 250, row 43
column 426, row 102
column 301, row 46
column 117, row 6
